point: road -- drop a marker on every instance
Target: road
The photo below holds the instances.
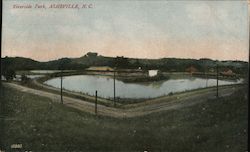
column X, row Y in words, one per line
column 140, row 109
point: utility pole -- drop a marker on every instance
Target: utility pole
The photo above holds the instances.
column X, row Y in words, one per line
column 114, row 88
column 217, row 91
column 96, row 102
column 206, row 73
column 61, row 88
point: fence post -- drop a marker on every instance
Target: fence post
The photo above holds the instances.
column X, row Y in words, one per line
column 217, row 88
column 114, row 88
column 96, row 102
column 61, row 88
column 206, row 72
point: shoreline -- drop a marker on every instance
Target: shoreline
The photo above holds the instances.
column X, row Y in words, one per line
column 121, row 102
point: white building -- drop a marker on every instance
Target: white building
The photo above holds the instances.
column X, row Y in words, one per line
column 152, row 73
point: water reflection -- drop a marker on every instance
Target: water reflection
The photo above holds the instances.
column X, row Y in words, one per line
column 104, row 85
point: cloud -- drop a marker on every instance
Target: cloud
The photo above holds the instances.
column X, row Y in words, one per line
column 135, row 29
column 200, row 13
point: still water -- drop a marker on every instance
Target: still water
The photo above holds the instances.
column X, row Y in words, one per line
column 18, row 77
column 44, row 71
column 104, row 85
column 48, row 71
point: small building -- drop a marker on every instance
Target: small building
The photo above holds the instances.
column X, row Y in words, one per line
column 191, row 69
column 152, row 73
column 3, row 78
column 92, row 54
column 228, row 72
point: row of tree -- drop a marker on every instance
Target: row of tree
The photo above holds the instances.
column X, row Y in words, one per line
column 11, row 64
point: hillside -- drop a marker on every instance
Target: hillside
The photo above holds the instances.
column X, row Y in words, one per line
column 92, row 59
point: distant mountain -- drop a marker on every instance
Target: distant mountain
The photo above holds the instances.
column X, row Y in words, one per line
column 93, row 59
column 20, row 63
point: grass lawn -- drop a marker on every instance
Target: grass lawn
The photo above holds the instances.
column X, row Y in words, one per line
column 40, row 125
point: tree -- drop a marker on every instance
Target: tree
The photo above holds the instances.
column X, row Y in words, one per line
column 9, row 74
column 121, row 62
column 64, row 63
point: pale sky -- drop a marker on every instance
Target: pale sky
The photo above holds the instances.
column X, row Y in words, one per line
column 139, row 29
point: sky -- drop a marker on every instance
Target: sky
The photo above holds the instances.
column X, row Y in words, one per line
column 139, row 29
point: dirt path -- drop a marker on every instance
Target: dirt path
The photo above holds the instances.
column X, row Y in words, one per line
column 157, row 105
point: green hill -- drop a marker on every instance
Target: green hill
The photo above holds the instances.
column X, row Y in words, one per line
column 93, row 59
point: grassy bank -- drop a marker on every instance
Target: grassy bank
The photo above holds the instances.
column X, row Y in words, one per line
column 41, row 125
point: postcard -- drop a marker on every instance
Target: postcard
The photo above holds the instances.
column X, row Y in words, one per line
column 130, row 76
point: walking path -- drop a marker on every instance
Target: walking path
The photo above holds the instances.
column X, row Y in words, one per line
column 155, row 105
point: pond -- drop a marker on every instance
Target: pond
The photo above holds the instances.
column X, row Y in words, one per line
column 35, row 76
column 104, row 85
column 44, row 71
column 18, row 77
column 48, row 71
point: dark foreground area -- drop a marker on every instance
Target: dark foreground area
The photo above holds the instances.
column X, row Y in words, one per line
column 42, row 125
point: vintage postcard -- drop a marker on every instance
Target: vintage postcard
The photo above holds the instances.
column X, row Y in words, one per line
column 130, row 75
